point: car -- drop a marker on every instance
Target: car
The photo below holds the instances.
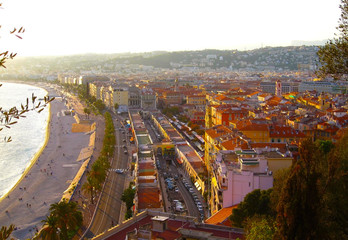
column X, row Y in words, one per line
column 124, row 140
column 119, row 171
column 123, row 132
column 124, row 146
column 125, row 152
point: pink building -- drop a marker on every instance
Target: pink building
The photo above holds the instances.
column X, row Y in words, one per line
column 237, row 174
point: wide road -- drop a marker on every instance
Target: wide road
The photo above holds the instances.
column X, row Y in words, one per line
column 110, row 204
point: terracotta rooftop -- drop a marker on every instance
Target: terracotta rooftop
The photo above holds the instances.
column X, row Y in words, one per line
column 148, row 197
column 255, row 127
column 217, row 131
column 177, row 227
column 221, row 217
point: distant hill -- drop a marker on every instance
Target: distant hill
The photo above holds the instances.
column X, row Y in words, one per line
column 268, row 58
column 287, row 58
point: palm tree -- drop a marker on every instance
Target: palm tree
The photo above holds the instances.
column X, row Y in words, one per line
column 50, row 230
column 98, row 171
column 87, row 111
column 90, row 187
column 6, row 232
column 68, row 217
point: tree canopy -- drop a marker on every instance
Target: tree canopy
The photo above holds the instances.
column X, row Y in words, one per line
column 256, row 202
column 314, row 200
column 333, row 56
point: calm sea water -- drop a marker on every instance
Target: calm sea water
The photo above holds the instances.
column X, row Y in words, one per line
column 27, row 135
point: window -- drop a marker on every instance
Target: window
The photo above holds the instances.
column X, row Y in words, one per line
column 279, row 140
column 272, row 139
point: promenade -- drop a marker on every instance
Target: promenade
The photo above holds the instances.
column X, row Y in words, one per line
column 49, row 175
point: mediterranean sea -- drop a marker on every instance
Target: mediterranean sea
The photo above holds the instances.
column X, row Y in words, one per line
column 28, row 135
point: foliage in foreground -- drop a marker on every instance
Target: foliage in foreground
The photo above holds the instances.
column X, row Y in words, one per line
column 333, row 56
column 63, row 221
column 310, row 201
column 5, row 232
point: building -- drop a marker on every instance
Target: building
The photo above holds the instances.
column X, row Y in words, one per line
column 212, row 137
column 286, row 87
column 319, row 86
column 151, row 224
column 235, row 174
column 134, row 97
column 148, row 99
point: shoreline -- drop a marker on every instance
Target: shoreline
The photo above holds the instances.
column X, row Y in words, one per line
column 49, row 174
column 36, row 155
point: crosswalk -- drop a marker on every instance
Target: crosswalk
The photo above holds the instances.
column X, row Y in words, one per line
column 118, row 170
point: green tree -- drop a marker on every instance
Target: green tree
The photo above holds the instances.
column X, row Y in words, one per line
column 50, row 230
column 98, row 172
column 116, row 106
column 333, row 56
column 256, row 202
column 87, row 111
column 128, row 198
column 99, row 105
column 69, row 218
column 279, row 179
column 90, row 187
column 334, row 214
column 314, row 200
column 5, row 232
column 260, row 228
column 298, row 208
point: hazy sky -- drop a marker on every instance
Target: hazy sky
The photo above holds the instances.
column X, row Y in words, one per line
column 108, row 26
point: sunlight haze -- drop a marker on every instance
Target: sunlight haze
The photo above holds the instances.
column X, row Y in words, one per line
column 75, row 26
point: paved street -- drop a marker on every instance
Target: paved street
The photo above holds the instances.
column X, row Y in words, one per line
column 110, row 207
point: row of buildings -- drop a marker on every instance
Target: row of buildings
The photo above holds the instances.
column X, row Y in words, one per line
column 249, row 133
column 114, row 94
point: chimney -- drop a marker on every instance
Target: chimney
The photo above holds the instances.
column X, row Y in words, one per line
column 159, row 223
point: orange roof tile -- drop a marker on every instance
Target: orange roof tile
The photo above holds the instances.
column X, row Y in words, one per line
column 221, row 216
column 255, row 127
column 218, row 131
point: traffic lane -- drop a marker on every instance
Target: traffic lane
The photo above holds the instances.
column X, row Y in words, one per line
column 110, row 205
column 187, row 196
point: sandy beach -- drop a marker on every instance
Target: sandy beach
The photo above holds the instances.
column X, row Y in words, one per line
column 49, row 176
